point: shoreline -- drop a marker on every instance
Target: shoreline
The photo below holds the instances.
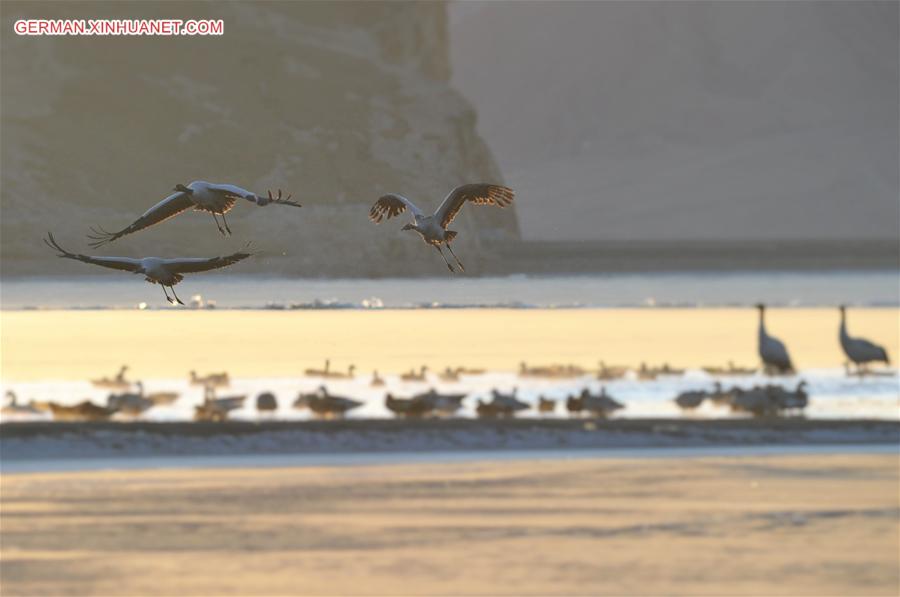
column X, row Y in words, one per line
column 123, row 445
column 459, row 457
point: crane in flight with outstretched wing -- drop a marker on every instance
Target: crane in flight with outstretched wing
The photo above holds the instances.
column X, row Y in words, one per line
column 433, row 228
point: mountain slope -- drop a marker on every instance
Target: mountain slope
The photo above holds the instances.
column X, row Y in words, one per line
column 335, row 102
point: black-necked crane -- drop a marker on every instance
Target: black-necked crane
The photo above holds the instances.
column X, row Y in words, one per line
column 772, row 351
column 859, row 350
column 165, row 272
column 215, row 199
column 433, row 228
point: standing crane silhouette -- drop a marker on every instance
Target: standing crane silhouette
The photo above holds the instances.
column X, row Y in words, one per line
column 859, row 350
column 433, row 228
column 215, row 199
column 772, row 351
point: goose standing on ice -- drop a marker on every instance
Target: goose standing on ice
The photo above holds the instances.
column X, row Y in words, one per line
column 859, row 350
column 165, row 272
column 772, row 351
column 433, row 228
column 215, row 199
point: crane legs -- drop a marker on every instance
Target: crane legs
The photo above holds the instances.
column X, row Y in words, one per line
column 172, row 288
column 458, row 262
column 438, row 249
column 169, row 300
column 225, row 222
column 216, row 220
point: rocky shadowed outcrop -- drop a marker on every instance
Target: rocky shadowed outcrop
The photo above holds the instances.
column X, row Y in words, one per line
column 336, row 102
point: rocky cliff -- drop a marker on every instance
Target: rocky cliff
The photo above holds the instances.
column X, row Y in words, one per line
column 336, row 102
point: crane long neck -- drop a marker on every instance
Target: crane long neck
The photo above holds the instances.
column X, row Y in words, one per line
column 762, row 323
column 844, row 334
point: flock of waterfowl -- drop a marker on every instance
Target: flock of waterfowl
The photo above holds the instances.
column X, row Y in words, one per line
column 127, row 398
column 218, row 199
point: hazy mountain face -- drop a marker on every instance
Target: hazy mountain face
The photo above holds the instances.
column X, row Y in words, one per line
column 683, row 121
column 335, row 102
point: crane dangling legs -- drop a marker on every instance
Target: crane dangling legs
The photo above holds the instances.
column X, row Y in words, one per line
column 433, row 228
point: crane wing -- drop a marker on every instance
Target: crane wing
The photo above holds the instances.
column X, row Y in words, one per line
column 169, row 207
column 479, row 194
column 279, row 199
column 189, row 265
column 121, row 263
column 865, row 350
column 775, row 352
column 231, row 190
column 391, row 205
